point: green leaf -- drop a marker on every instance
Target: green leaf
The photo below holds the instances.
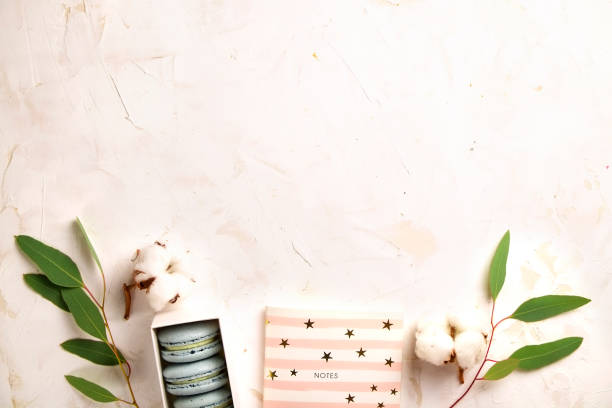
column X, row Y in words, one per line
column 91, row 390
column 58, row 267
column 43, row 286
column 85, row 312
column 89, row 245
column 543, row 307
column 95, row 351
column 497, row 272
column 501, row 369
column 536, row 356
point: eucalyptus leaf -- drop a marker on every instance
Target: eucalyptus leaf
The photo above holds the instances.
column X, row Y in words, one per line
column 95, row 351
column 58, row 267
column 540, row 355
column 497, row 271
column 85, row 312
column 501, row 369
column 91, row 390
column 543, row 307
column 40, row 284
column 88, row 242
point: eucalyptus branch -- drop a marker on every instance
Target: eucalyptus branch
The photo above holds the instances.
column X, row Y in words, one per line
column 112, row 344
column 535, row 309
column 61, row 283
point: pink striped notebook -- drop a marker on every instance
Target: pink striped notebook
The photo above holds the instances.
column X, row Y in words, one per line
column 318, row 359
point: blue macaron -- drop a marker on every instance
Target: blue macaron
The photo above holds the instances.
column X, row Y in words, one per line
column 195, row 377
column 190, row 341
column 221, row 398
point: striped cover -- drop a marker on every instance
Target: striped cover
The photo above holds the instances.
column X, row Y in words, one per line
column 317, row 359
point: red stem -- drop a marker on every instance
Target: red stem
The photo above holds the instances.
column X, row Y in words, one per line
column 92, row 296
column 497, row 324
column 493, row 327
column 114, row 349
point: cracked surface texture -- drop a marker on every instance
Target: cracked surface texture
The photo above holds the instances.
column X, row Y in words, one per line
column 363, row 154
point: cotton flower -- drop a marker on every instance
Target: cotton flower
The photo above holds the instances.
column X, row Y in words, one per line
column 150, row 262
column 434, row 342
column 469, row 348
column 435, row 347
column 457, row 337
column 163, row 274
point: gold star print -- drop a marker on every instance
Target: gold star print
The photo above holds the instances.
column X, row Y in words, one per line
column 361, row 352
column 350, row 398
column 374, row 388
column 327, row 356
column 284, row 343
column 272, row 374
column 309, row 324
column 388, row 361
column 393, row 391
column 349, row 333
column 294, row 372
column 380, row 405
column 387, row 325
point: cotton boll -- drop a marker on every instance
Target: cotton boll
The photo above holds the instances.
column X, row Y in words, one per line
column 163, row 273
column 459, row 337
column 150, row 262
column 143, row 280
column 179, row 260
column 168, row 289
column 163, row 289
column 435, row 347
column 433, row 341
column 469, row 348
column 184, row 284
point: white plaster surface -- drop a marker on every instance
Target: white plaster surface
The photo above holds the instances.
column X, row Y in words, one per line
column 363, row 154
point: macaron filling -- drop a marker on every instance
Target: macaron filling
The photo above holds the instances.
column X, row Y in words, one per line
column 198, row 387
column 196, row 379
column 190, row 345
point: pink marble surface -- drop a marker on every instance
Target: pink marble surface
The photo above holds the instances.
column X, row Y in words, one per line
column 351, row 154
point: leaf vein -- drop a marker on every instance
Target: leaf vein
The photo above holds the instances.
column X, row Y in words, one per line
column 569, row 345
column 58, row 266
column 539, row 308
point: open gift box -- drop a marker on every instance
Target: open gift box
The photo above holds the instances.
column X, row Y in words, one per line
column 176, row 317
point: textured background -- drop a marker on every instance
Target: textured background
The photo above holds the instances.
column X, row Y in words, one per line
column 359, row 154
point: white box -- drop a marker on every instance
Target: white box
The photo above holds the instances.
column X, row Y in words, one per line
column 174, row 317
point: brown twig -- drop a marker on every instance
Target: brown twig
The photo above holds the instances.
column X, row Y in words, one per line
column 128, row 300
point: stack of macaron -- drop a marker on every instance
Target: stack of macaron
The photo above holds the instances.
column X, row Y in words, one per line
column 196, row 372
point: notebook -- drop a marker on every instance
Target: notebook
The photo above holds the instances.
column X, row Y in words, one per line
column 323, row 359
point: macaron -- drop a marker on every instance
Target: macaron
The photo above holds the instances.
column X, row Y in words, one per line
column 195, row 377
column 221, row 398
column 190, row 341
